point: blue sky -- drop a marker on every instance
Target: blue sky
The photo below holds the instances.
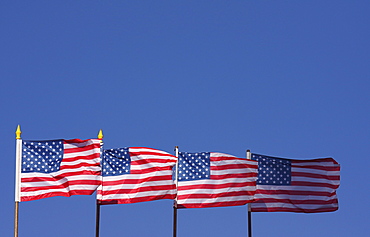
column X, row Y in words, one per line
column 282, row 78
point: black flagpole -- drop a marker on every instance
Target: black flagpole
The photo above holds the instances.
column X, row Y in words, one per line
column 174, row 219
column 97, row 221
column 249, row 221
column 175, row 201
column 249, row 206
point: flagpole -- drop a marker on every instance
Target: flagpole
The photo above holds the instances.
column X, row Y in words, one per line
column 175, row 201
column 249, row 206
column 97, row 217
column 97, row 223
column 18, row 154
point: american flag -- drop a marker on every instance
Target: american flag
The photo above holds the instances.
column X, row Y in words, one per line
column 136, row 174
column 286, row 185
column 59, row 168
column 211, row 179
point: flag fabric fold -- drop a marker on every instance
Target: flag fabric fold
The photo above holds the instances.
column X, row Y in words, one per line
column 211, row 179
column 59, row 168
column 136, row 174
column 290, row 185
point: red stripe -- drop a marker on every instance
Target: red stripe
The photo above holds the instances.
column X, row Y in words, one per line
column 319, row 160
column 65, row 166
column 151, row 161
column 61, row 186
column 313, row 175
column 85, row 157
column 139, row 199
column 294, row 192
column 54, row 194
column 231, row 158
column 318, row 167
column 242, row 163
column 231, row 166
column 313, row 184
column 148, row 153
column 81, row 149
column 150, row 170
column 301, row 210
column 218, row 204
column 76, row 140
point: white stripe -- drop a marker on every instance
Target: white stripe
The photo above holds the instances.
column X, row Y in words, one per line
column 212, row 181
column 149, row 165
column 157, row 154
column 59, row 182
column 146, row 149
column 80, row 144
column 63, row 190
column 81, row 153
column 233, row 171
column 41, row 192
column 137, row 176
column 88, row 168
column 323, row 164
column 216, row 191
column 153, row 156
column 234, row 162
column 219, row 154
column 79, row 161
column 294, row 188
column 315, row 171
column 18, row 168
column 138, row 185
column 295, row 197
column 138, row 194
column 314, row 180
column 59, row 173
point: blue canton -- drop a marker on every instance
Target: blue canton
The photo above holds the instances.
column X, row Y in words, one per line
column 194, row 166
column 273, row 171
column 116, row 162
column 42, row 156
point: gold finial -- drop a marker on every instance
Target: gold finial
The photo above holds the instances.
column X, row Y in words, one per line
column 18, row 132
column 100, row 135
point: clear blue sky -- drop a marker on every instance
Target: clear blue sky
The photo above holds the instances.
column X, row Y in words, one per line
column 282, row 78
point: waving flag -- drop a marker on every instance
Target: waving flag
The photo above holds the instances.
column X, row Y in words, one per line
column 59, row 168
column 285, row 185
column 210, row 179
column 136, row 174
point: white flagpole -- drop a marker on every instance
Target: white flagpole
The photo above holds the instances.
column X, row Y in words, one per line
column 18, row 157
column 97, row 214
column 249, row 206
column 175, row 201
